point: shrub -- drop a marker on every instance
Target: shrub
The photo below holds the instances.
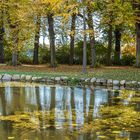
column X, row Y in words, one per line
column 62, row 55
column 101, row 52
column 128, row 60
column 44, row 55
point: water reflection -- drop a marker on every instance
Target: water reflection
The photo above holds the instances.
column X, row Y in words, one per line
column 81, row 103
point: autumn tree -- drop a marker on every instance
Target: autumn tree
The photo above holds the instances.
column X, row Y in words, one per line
column 115, row 17
column 90, row 8
column 53, row 9
column 1, row 33
column 36, row 40
column 136, row 6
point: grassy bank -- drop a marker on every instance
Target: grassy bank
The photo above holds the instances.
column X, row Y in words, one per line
column 119, row 73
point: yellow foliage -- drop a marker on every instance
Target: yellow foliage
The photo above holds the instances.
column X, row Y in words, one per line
column 126, row 50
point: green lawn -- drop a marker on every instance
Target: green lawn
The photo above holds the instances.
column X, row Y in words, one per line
column 118, row 73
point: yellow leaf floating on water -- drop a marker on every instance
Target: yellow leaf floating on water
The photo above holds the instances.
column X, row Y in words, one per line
column 102, row 137
column 11, row 138
column 74, row 124
column 97, row 133
column 116, row 132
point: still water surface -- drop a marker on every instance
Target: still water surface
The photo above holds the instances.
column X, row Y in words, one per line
column 56, row 112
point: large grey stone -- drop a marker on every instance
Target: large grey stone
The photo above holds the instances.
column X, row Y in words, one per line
column 98, row 81
column 7, row 77
column 57, row 79
column 16, row 77
column 87, row 80
column 116, row 82
column 23, row 77
column 103, row 81
column 129, row 83
column 138, row 84
column 93, row 80
column 28, row 78
column 109, row 82
column 34, row 79
column 122, row 82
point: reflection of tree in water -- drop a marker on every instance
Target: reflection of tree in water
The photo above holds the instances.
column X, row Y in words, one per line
column 57, row 106
column 16, row 99
column 72, row 102
column 38, row 99
column 4, row 125
column 91, row 107
column 100, row 98
column 3, row 101
column 52, row 106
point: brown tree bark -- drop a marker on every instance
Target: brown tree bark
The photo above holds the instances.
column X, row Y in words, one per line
column 52, row 40
column 36, row 43
column 138, row 44
column 13, row 25
column 72, row 39
column 91, row 36
column 109, row 45
column 136, row 6
column 15, row 40
column 84, row 70
column 117, row 54
column 1, row 38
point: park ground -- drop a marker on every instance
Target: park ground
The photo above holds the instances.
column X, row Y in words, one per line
column 112, row 72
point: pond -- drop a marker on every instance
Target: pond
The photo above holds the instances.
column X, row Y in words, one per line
column 44, row 112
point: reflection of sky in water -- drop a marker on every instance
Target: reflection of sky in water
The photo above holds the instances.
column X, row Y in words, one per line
column 79, row 105
column 59, row 114
column 87, row 100
column 63, row 101
column 45, row 97
column 100, row 97
column 30, row 95
column 34, row 98
column 8, row 94
column 42, row 95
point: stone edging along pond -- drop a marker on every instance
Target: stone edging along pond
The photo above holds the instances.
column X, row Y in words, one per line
column 69, row 81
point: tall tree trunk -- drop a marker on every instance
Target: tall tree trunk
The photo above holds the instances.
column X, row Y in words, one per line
column 138, row 44
column 72, row 39
column 14, row 58
column 36, row 43
column 1, row 38
column 117, row 54
column 136, row 6
column 109, row 45
column 84, row 44
column 15, row 31
column 91, row 36
column 52, row 39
